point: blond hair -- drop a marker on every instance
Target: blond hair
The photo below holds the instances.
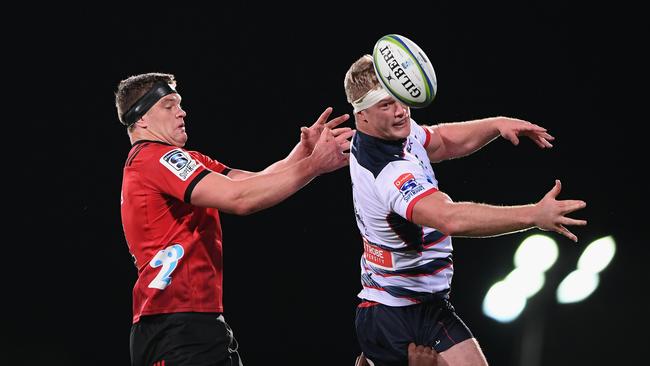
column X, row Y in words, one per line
column 360, row 78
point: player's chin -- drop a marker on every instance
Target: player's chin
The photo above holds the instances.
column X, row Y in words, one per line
column 401, row 130
column 180, row 139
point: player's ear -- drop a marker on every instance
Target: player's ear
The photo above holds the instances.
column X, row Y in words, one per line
column 361, row 117
column 142, row 122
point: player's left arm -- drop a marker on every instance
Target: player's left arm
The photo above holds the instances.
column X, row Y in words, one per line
column 308, row 138
column 457, row 139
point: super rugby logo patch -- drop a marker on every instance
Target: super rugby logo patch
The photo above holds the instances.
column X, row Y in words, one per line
column 408, row 186
column 180, row 163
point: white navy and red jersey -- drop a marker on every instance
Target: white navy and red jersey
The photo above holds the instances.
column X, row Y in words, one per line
column 403, row 263
column 176, row 246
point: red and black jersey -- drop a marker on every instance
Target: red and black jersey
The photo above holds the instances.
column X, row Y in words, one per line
column 176, row 246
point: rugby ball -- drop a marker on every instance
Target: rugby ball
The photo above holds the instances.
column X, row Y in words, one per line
column 404, row 70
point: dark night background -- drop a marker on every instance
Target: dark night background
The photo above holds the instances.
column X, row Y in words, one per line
column 250, row 76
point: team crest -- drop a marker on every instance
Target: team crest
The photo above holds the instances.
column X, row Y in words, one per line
column 180, row 163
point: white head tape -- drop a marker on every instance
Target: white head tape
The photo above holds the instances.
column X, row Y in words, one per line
column 369, row 99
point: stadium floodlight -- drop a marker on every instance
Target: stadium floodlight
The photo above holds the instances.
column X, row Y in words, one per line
column 506, row 299
column 597, row 255
column 577, row 286
column 526, row 281
column 582, row 282
column 538, row 252
column 503, row 303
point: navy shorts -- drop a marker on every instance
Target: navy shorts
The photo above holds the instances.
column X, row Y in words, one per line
column 384, row 332
column 183, row 339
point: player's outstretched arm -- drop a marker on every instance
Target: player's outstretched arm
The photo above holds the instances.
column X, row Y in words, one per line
column 472, row 219
column 457, row 139
column 261, row 191
column 308, row 138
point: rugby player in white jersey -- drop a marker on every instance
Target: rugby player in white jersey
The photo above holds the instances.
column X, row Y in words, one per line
column 406, row 223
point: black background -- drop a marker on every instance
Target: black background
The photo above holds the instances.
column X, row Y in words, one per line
column 250, row 76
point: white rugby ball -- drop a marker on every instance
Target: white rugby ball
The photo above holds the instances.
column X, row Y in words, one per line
column 404, row 70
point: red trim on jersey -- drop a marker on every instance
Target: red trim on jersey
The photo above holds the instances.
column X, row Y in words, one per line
column 429, row 245
column 447, row 333
column 443, row 268
column 367, row 304
column 400, row 297
column 428, row 138
column 409, row 209
column 403, row 275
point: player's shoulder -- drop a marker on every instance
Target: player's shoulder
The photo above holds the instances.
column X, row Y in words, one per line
column 417, row 128
column 146, row 153
column 399, row 167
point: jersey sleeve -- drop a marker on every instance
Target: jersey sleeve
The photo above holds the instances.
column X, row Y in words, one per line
column 175, row 172
column 401, row 184
column 210, row 163
column 421, row 133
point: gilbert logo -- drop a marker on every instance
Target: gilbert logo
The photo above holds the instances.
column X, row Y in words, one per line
column 399, row 72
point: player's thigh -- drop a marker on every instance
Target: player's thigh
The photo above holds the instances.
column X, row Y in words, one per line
column 465, row 353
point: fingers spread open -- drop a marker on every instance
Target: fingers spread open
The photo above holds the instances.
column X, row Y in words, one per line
column 338, row 131
column 570, row 221
column 337, row 121
column 556, row 189
column 547, row 136
column 342, row 136
column 323, row 116
column 539, row 142
column 542, row 142
column 568, row 206
column 536, row 128
column 345, row 145
column 564, row 231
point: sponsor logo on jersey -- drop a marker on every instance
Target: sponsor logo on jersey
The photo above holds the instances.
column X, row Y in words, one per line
column 376, row 255
column 180, row 163
column 408, row 186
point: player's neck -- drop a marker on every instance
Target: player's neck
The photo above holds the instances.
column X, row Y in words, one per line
column 140, row 134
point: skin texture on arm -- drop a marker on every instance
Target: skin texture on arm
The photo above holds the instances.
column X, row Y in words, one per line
column 454, row 140
column 308, row 138
column 467, row 352
column 341, row 136
column 257, row 192
column 471, row 219
column 417, row 356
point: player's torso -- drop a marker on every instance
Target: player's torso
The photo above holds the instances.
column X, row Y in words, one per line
column 176, row 246
column 398, row 255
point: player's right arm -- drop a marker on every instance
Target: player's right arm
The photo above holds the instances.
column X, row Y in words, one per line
column 458, row 139
column 255, row 193
column 482, row 220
